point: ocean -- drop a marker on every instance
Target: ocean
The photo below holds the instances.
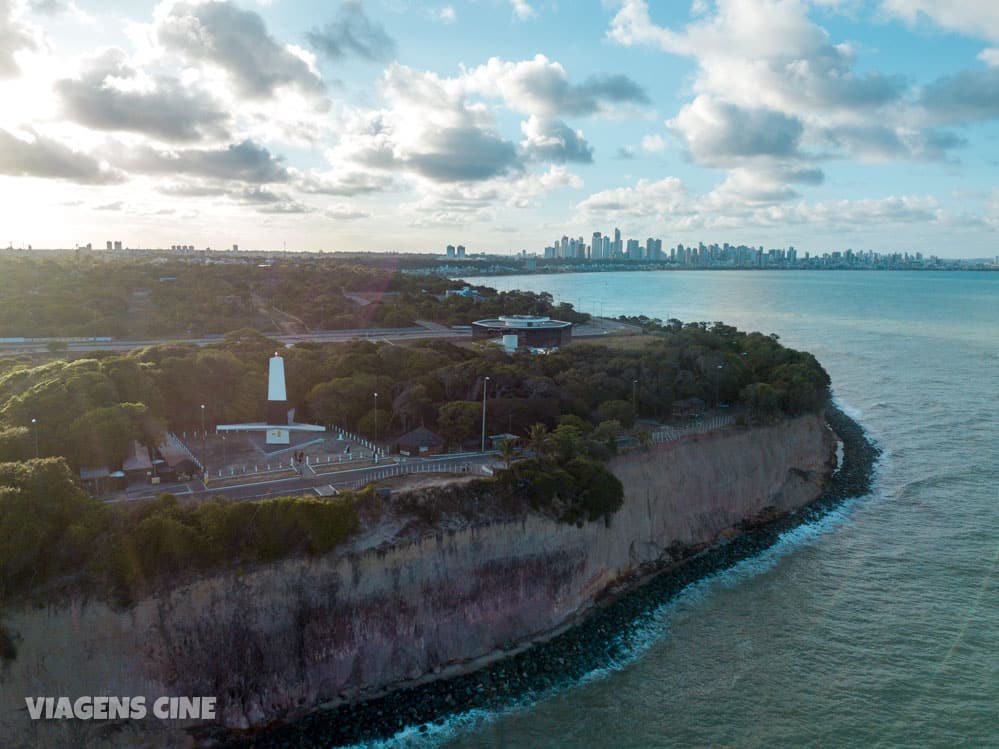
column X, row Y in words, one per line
column 877, row 626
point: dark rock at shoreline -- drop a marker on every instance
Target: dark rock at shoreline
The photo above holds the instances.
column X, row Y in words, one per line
column 598, row 641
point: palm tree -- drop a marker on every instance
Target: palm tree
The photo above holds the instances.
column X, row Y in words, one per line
column 507, row 450
column 537, row 438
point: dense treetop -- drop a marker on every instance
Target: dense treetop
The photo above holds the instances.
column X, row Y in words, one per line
column 83, row 296
column 88, row 409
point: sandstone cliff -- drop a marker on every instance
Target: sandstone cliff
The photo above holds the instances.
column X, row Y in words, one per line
column 274, row 640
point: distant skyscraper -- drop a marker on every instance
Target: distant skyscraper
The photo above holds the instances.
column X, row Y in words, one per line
column 617, row 243
column 117, row 244
column 461, row 250
column 109, row 244
column 596, row 246
column 634, row 253
column 450, row 250
column 605, row 251
column 235, row 248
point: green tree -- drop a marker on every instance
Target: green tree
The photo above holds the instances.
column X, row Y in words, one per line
column 617, row 410
column 458, row 421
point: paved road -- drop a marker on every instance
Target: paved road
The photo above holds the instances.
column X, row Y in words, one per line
column 597, row 328
column 296, row 485
column 326, row 336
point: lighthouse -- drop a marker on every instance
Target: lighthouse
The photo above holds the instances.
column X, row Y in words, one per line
column 278, row 413
column 279, row 419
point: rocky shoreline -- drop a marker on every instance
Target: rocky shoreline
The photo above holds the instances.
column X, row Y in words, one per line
column 600, row 640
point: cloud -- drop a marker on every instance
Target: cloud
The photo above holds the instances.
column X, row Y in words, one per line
column 115, row 206
column 522, row 9
column 111, row 95
column 219, row 33
column 772, row 94
column 15, row 35
column 552, row 140
column 647, row 198
column 720, row 133
column 990, row 56
column 243, row 162
column 344, row 213
column 39, row 156
column 342, row 183
column 653, row 144
column 540, row 86
column 57, row 7
column 438, row 128
column 268, row 201
column 759, row 185
column 667, row 204
column 460, row 154
column 967, row 96
column 475, row 204
column 625, row 153
column 446, row 15
column 195, row 189
column 353, row 33
column 427, row 128
column 978, row 19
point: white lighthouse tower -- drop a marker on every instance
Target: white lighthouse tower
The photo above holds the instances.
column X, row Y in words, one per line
column 280, row 419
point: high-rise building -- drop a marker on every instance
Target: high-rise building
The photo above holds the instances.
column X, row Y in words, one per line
column 617, row 242
column 109, row 244
column 605, row 251
column 461, row 250
column 596, row 246
column 117, row 244
column 450, row 250
column 634, row 253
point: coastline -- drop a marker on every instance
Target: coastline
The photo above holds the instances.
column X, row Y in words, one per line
column 563, row 657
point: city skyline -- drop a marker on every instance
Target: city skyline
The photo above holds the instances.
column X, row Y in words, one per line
column 388, row 125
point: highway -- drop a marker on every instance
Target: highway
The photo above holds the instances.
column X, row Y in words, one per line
column 36, row 346
column 324, row 336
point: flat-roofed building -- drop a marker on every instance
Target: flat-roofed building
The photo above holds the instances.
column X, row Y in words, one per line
column 532, row 331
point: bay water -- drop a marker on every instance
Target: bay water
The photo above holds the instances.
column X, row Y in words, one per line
column 877, row 626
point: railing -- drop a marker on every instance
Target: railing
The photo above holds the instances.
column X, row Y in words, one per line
column 176, row 442
column 345, row 435
column 673, row 433
column 403, row 469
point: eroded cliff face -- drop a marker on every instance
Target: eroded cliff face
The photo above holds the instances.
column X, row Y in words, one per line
column 282, row 638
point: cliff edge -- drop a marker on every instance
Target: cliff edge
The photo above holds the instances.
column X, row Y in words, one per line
column 271, row 642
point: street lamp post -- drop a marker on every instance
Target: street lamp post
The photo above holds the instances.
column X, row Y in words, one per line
column 485, row 386
column 376, row 425
column 34, row 423
column 634, row 397
column 204, row 466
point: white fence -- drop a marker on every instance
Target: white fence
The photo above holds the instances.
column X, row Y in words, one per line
column 671, row 434
column 403, row 469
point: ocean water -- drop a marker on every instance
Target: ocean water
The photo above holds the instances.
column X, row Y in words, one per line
column 877, row 626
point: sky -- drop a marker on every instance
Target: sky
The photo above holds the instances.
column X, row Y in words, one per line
column 395, row 125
